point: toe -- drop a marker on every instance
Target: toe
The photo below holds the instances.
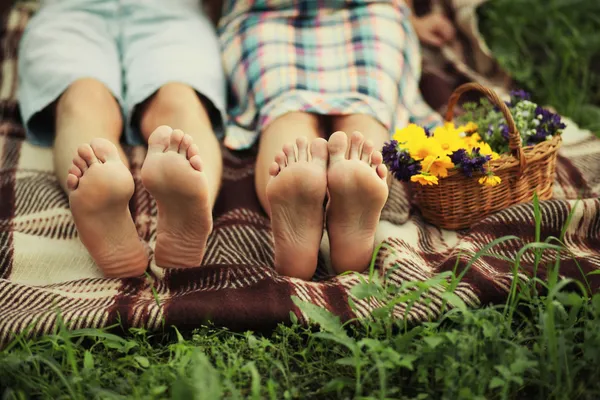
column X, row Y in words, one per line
column 318, row 151
column 160, row 137
column 186, row 142
column 72, row 181
column 290, row 153
column 366, row 151
column 337, row 146
column 87, row 154
column 376, row 159
column 176, row 139
column 75, row 170
column 280, row 160
column 355, row 142
column 104, row 150
column 381, row 171
column 192, row 151
column 80, row 164
column 274, row 169
column 196, row 162
column 302, row 145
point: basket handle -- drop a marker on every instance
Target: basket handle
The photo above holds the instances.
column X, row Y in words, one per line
column 514, row 138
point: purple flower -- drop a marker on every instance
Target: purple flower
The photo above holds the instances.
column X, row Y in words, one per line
column 401, row 165
column 390, row 152
column 519, row 95
column 504, row 131
column 458, row 156
column 539, row 136
column 549, row 125
column 469, row 163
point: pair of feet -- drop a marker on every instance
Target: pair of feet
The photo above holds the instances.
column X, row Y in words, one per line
column 351, row 174
column 350, row 171
column 101, row 187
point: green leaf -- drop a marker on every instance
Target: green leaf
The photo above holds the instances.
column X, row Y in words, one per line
column 159, row 390
column 569, row 299
column 88, row 360
column 345, row 341
column 205, row 378
column 433, row 341
column 596, row 302
column 337, row 384
column 496, row 382
column 371, row 344
column 348, row 361
column 293, row 318
column 142, row 361
column 324, row 318
column 454, row 301
column 406, row 361
column 381, row 312
column 365, row 290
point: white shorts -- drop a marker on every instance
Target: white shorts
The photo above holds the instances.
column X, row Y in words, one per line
column 132, row 46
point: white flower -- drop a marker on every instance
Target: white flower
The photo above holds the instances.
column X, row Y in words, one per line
column 549, row 137
column 536, row 122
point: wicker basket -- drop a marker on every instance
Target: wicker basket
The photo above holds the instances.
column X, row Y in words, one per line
column 457, row 201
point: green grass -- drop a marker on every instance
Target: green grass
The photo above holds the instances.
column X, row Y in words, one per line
column 552, row 49
column 543, row 343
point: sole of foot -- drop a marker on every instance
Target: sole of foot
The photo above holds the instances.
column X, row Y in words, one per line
column 356, row 180
column 296, row 192
column 100, row 187
column 172, row 174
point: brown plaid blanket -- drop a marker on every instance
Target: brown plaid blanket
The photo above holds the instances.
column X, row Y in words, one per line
column 45, row 269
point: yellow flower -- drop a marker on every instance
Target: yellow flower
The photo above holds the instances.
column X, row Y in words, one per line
column 420, row 149
column 495, row 155
column 424, row 179
column 472, row 141
column 470, row 127
column 448, row 138
column 409, row 134
column 485, row 149
column 437, row 166
column 490, row 180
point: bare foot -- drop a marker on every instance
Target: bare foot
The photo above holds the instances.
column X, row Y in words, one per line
column 357, row 194
column 100, row 189
column 172, row 173
column 296, row 193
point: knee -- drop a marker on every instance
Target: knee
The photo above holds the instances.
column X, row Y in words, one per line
column 312, row 122
column 173, row 98
column 89, row 96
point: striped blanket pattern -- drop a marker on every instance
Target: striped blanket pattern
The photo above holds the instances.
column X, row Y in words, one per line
column 45, row 269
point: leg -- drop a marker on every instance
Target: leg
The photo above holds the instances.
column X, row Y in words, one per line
column 85, row 80
column 164, row 44
column 371, row 129
column 357, row 194
column 99, row 182
column 283, row 131
column 183, row 177
column 85, row 111
column 294, row 193
column 179, row 106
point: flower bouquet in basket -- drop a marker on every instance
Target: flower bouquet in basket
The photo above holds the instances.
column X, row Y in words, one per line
column 499, row 155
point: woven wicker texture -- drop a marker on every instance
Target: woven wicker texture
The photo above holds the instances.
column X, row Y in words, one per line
column 457, row 202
